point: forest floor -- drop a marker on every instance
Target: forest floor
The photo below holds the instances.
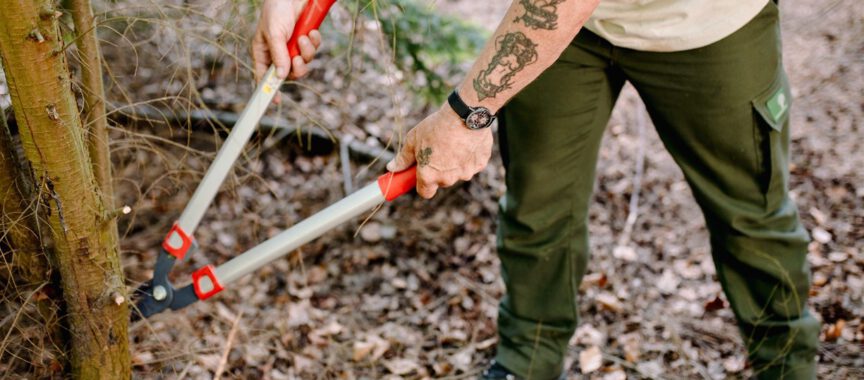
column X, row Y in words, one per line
column 412, row 292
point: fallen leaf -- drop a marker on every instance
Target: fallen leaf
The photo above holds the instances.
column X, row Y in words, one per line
column 380, row 348
column 142, row 357
column 716, row 304
column 838, row 257
column 668, row 282
column 374, row 347
column 593, row 279
column 819, row 279
column 631, row 343
column 590, row 360
column 610, row 302
column 316, row 274
column 298, row 313
column 589, row 336
column 463, row 359
column 734, row 363
column 400, row 366
column 210, row 361
column 821, row 235
column 835, row 330
column 818, row 215
column 624, row 252
column 442, row 369
column 361, row 350
column 303, row 364
column 319, row 336
column 617, row 374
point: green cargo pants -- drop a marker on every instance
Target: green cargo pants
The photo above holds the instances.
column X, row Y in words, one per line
column 722, row 112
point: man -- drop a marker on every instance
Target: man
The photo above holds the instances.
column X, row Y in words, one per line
column 711, row 75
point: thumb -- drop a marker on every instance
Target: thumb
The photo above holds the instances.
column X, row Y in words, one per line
column 279, row 53
column 405, row 158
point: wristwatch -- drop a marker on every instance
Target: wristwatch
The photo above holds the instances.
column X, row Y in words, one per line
column 474, row 117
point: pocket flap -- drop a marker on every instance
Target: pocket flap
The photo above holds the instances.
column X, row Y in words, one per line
column 773, row 105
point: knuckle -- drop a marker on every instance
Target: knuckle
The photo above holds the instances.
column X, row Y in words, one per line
column 427, row 192
column 427, row 183
column 273, row 31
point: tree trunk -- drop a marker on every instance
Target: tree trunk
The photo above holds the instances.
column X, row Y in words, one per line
column 93, row 90
column 55, row 144
column 30, row 275
column 17, row 217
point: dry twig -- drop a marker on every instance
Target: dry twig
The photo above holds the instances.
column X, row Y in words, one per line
column 230, row 342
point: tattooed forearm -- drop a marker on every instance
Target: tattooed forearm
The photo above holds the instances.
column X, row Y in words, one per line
column 423, row 156
column 513, row 52
column 540, row 14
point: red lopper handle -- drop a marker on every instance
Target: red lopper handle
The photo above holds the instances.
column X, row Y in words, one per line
column 394, row 185
column 310, row 19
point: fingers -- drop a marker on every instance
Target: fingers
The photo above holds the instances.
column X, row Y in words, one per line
column 466, row 177
column 307, row 48
column 426, row 189
column 260, row 56
column 315, row 37
column 448, row 181
column 405, row 158
column 429, row 180
column 299, row 68
column 279, row 53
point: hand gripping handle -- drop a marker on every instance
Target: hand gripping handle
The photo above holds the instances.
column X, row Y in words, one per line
column 310, row 19
column 394, row 185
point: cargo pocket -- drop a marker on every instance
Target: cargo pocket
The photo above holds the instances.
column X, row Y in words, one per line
column 771, row 119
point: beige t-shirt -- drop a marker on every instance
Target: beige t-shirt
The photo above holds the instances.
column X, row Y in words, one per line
column 670, row 25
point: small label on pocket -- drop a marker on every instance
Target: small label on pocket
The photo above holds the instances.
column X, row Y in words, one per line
column 778, row 104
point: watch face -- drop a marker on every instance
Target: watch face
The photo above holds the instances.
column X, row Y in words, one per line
column 479, row 118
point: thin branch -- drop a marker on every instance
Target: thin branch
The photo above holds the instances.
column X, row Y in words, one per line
column 633, row 212
column 94, row 97
column 227, row 350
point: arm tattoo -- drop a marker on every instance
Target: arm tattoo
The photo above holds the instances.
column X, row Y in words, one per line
column 514, row 52
column 540, row 14
column 424, row 156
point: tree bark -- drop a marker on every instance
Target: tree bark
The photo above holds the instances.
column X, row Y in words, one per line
column 30, row 271
column 55, row 144
column 94, row 95
column 17, row 218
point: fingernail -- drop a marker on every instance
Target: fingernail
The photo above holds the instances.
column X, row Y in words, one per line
column 281, row 72
column 391, row 165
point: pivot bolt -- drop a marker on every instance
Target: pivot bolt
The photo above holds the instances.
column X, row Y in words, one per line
column 159, row 293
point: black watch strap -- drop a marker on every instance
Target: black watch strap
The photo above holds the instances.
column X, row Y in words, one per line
column 474, row 117
column 458, row 105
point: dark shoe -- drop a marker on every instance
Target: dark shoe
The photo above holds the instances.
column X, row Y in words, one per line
column 498, row 372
